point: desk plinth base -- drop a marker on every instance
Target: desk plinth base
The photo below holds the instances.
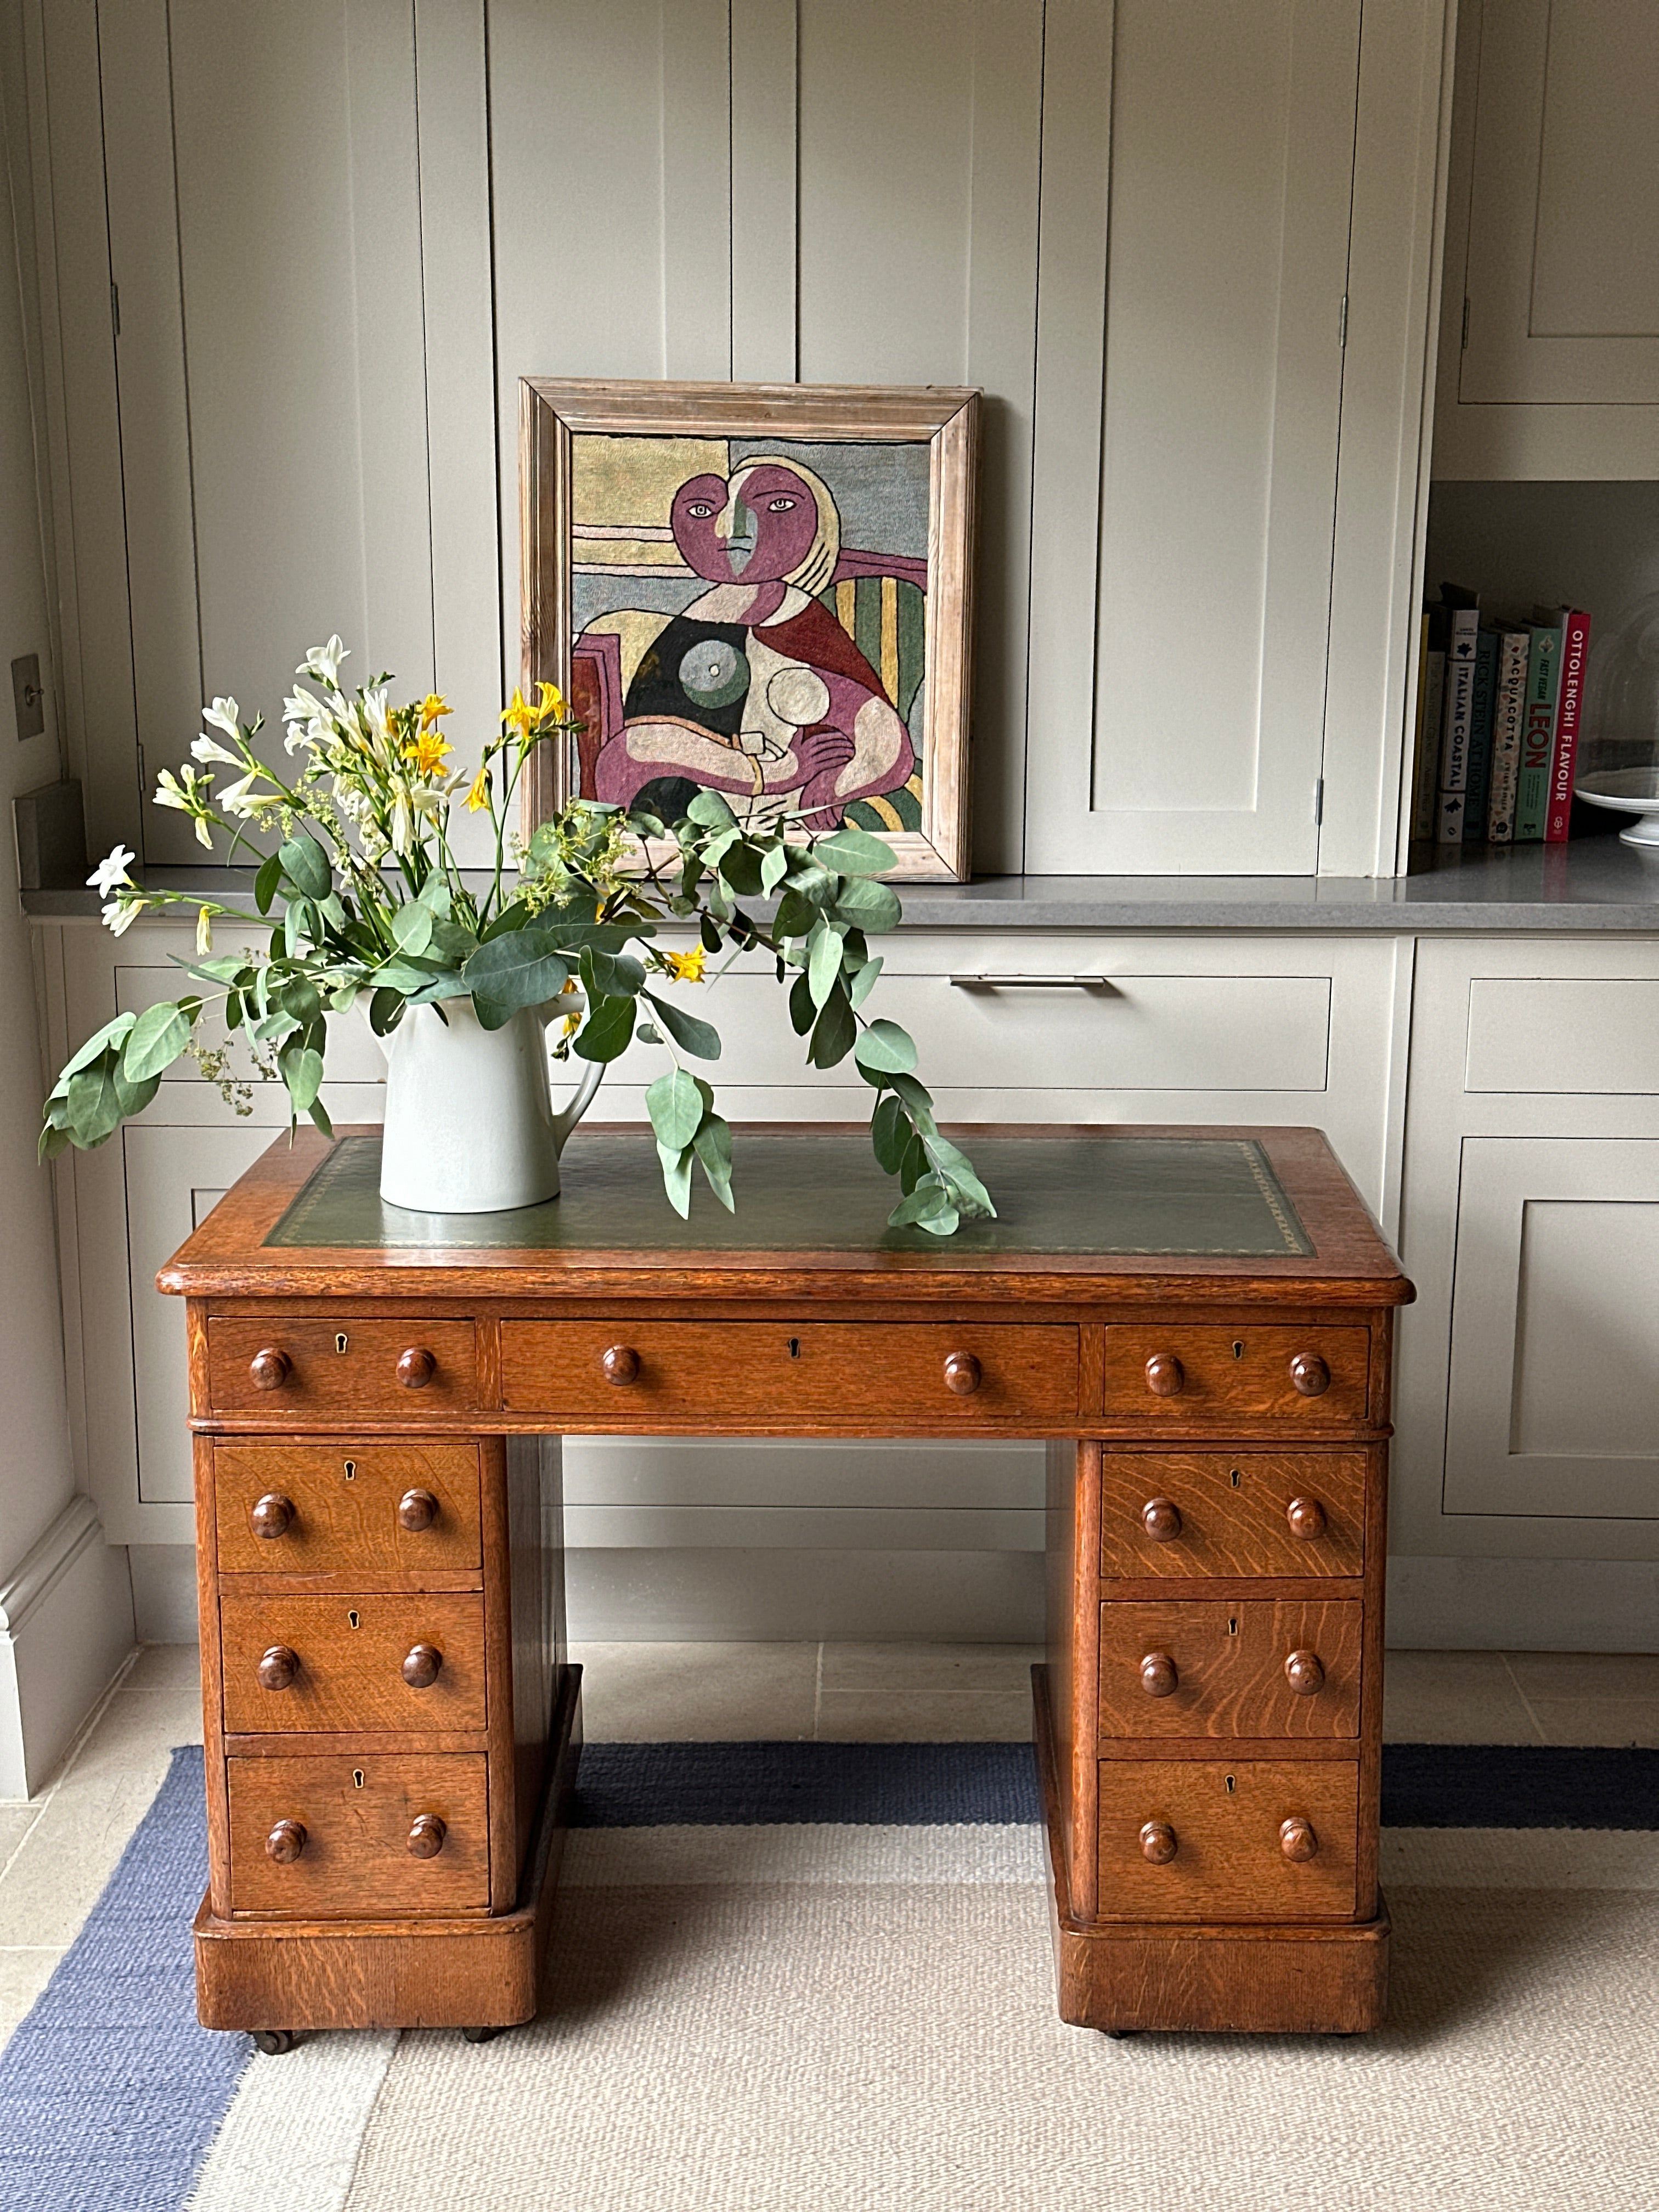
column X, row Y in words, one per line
column 474, row 1972
column 1270, row 1978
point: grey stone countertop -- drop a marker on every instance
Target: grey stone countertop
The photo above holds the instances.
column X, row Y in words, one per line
column 1592, row 884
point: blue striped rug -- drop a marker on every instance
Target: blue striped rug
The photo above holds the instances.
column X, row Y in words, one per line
column 111, row 2094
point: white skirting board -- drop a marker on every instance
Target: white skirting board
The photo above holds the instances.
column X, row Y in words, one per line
column 65, row 1626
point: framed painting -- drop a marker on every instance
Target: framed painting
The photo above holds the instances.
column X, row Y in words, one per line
column 762, row 590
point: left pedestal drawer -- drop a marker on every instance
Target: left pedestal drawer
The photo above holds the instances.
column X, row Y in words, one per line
column 402, row 1659
column 405, row 1834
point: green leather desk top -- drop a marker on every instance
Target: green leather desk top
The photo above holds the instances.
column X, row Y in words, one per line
column 813, row 1190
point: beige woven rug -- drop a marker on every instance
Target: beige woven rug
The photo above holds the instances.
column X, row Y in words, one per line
column 805, row 2033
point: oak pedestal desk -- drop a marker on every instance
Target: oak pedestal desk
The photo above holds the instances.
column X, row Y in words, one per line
column 1197, row 1321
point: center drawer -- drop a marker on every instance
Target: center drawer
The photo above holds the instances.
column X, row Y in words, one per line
column 343, row 1509
column 619, row 1372
column 400, row 1660
column 1254, row 1668
column 1260, row 1839
column 349, row 1837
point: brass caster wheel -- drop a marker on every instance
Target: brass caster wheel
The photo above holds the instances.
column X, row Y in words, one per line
column 481, row 2034
column 274, row 2040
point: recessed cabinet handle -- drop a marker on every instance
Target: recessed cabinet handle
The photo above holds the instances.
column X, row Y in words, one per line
column 423, row 1666
column 270, row 1368
column 272, row 1516
column 962, row 1374
column 1158, row 1842
column 1161, row 1518
column 1165, row 1375
column 1296, row 1839
column 1159, row 1675
column 426, row 1838
column 1309, row 1375
column 285, row 1842
column 416, row 1510
column 277, row 1668
column 1306, row 1516
column 416, row 1367
column 1304, row 1674
column 621, row 1364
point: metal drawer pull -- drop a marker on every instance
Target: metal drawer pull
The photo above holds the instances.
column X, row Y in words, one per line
column 1103, row 984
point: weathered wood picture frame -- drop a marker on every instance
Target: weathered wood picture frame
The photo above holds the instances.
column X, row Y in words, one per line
column 762, row 589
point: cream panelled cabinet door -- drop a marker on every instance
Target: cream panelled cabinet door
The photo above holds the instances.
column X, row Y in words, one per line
column 1193, row 264
column 1549, row 352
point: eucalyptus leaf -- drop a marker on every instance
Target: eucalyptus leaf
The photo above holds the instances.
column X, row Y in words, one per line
column 741, row 868
column 835, row 1031
column 385, row 1009
column 823, row 962
column 265, row 883
column 773, row 861
column 94, row 1107
column 302, row 1071
column 113, row 1032
column 306, row 865
column 802, row 1012
column 133, row 1097
column 710, row 811
column 886, row 1050
column 852, row 852
column 890, row 1133
column 676, row 1106
column 859, row 989
column 916, row 1097
column 676, row 1178
column 53, row 1140
column 521, row 969
column 158, row 1037
column 871, row 906
column 713, row 1146
column 606, row 1033
column 411, row 927
column 688, row 1032
column 611, row 975
column 319, row 1113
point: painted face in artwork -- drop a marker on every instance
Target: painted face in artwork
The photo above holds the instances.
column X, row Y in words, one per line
column 757, row 527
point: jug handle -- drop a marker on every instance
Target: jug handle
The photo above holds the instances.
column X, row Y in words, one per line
column 566, row 1121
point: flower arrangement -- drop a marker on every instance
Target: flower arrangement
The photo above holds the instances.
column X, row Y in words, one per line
column 365, row 903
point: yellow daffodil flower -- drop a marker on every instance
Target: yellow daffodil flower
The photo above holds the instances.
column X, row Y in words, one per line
column 479, row 795
column 432, row 708
column 428, row 752
column 519, row 714
column 686, row 967
column 550, row 702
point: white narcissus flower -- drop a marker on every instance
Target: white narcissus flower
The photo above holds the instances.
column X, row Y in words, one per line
column 203, row 932
column 205, row 748
column 235, row 800
column 374, row 715
column 402, row 822
column 113, row 871
column 224, row 714
column 323, row 661
column 120, row 914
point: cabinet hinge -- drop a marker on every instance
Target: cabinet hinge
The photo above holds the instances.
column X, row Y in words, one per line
column 1342, row 322
column 1319, row 802
column 1466, row 325
column 115, row 307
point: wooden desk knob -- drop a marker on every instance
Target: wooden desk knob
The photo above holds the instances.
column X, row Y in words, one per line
column 1309, row 1375
column 285, row 1842
column 962, row 1374
column 1161, row 1518
column 416, row 1367
column 277, row 1668
column 272, row 1516
column 1307, row 1518
column 416, row 1510
column 1296, row 1839
column 426, row 1838
column 621, row 1364
column 1158, row 1843
column 425, row 1663
column 1159, row 1676
column 1165, row 1375
column 1304, row 1674
column 270, row 1368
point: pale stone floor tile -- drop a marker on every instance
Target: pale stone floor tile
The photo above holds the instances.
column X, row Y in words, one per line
column 15, row 1823
column 1563, row 1675
column 1604, row 1721
column 55, row 1879
column 164, row 1666
column 1453, row 1696
column 904, row 1668
column 697, row 1693
column 25, row 1970
column 924, row 1716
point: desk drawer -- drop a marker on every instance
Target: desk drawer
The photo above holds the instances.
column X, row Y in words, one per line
column 619, row 1372
column 304, row 1662
column 1232, row 1513
column 353, row 1837
column 1307, row 1376
column 1188, row 1839
column 1248, row 1669
column 344, row 1508
column 341, row 1367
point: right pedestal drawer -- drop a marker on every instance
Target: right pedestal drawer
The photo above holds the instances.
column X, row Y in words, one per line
column 404, row 1833
column 1254, row 1839
column 1249, row 1668
column 1232, row 1513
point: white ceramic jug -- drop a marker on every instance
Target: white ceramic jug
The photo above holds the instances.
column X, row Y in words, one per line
column 470, row 1126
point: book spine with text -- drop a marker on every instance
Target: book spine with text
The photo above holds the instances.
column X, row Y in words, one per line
column 1425, row 788
column 1575, row 646
column 1508, row 707
column 1481, row 715
column 1453, row 785
column 1538, row 732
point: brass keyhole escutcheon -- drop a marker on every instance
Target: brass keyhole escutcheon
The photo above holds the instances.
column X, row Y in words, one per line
column 1238, row 1349
column 795, row 1347
column 1232, row 1625
column 351, row 1466
column 353, row 1619
column 340, row 1341
column 1233, row 1477
column 1232, row 1783
column 356, row 1777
